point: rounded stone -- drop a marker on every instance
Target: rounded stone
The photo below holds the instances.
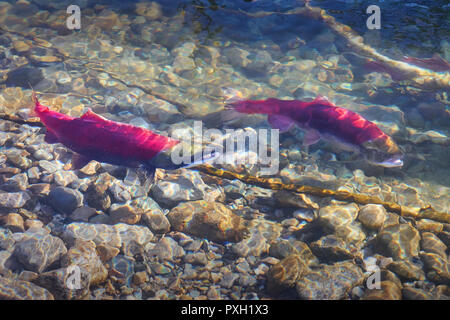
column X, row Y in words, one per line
column 399, row 241
column 372, row 216
column 65, row 200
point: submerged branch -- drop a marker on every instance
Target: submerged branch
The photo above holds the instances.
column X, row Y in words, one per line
column 419, row 77
column 268, row 183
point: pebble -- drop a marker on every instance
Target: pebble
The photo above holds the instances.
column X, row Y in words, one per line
column 333, row 216
column 106, row 252
column 388, row 291
column 84, row 255
column 372, row 216
column 174, row 189
column 407, row 270
column 329, row 282
column 83, row 213
column 65, row 200
column 285, row 274
column 166, row 249
column 118, row 235
column 38, row 250
column 14, row 222
column 331, row 249
column 431, row 243
column 211, row 220
column 13, row 200
column 16, row 183
column 13, row 289
column 399, row 241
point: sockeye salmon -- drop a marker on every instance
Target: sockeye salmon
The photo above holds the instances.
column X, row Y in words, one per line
column 322, row 119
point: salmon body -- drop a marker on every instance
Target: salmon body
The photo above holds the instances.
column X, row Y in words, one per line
column 96, row 138
column 322, row 119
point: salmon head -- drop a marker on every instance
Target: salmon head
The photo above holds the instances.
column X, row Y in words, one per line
column 382, row 151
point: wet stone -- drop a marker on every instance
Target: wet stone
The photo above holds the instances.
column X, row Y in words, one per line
column 388, row 291
column 407, row 270
column 12, row 289
column 154, row 217
column 83, row 213
column 6, row 241
column 41, row 154
column 38, row 250
column 436, row 267
column 431, row 243
column 49, row 166
column 56, row 282
column 174, row 189
column 18, row 158
column 198, row 258
column 166, row 249
column 411, row 293
column 14, row 222
column 125, row 213
column 84, row 255
column 427, row 225
column 331, row 248
column 106, row 252
column 372, row 216
column 329, row 282
column 260, row 233
column 228, row 279
column 65, row 200
column 16, row 183
column 333, row 216
column 118, row 235
column 13, row 200
column 64, row 178
column 211, row 220
column 399, row 241
column 284, row 248
column 96, row 195
column 285, row 274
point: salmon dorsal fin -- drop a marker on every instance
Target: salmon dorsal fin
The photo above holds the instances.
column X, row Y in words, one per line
column 91, row 115
column 323, row 101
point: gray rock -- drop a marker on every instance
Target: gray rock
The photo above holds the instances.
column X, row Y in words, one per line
column 16, row 183
column 50, row 166
column 64, row 178
column 18, row 158
column 69, row 283
column 228, row 279
column 174, row 189
column 38, row 250
column 118, row 235
column 154, row 217
column 84, row 255
column 13, row 200
column 333, row 216
column 12, row 289
column 166, row 249
column 65, row 200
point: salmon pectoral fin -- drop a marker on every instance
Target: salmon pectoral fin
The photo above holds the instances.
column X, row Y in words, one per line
column 280, row 122
column 311, row 137
column 79, row 161
column 50, row 137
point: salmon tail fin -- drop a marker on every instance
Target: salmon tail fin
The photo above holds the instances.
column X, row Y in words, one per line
column 232, row 99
